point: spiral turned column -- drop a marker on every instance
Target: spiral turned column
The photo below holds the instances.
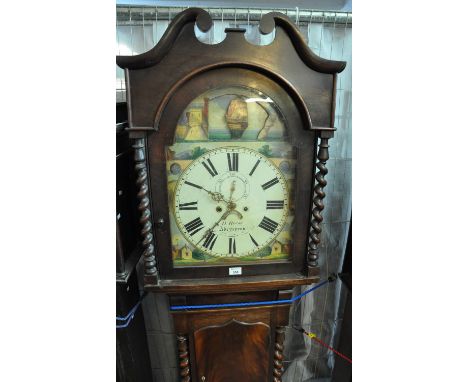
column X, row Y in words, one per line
column 184, row 364
column 144, row 207
column 317, row 201
column 278, row 368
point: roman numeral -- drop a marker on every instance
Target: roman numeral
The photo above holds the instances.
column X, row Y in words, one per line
column 275, row 204
column 232, row 245
column 253, row 240
column 233, row 162
column 194, row 226
column 254, row 168
column 193, row 185
column 210, row 168
column 268, row 224
column 270, row 183
column 188, row 206
column 210, row 241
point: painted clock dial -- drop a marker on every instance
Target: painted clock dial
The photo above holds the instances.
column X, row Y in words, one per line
column 231, row 201
column 231, row 181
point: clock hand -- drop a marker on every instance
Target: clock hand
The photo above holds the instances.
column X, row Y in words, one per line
column 233, row 188
column 216, row 196
column 230, row 204
column 225, row 215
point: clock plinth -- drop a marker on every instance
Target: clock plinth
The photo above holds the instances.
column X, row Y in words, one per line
column 231, row 146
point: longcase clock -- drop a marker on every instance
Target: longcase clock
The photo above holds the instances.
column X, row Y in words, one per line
column 231, row 144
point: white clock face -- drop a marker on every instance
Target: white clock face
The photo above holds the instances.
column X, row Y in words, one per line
column 231, row 201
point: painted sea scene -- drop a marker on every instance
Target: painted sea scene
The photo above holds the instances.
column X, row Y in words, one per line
column 232, row 113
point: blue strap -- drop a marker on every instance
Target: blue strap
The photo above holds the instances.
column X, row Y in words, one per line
column 253, row 303
column 129, row 317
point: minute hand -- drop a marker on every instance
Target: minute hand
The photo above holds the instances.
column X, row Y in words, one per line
column 225, row 215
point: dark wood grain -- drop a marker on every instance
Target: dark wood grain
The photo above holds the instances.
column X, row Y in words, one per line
column 159, row 51
column 317, row 63
column 236, row 351
column 231, row 297
column 268, row 22
column 230, row 285
column 273, row 316
column 190, row 320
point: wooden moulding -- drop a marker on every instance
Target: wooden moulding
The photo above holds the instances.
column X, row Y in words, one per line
column 190, row 320
column 230, row 285
column 204, row 22
column 317, row 63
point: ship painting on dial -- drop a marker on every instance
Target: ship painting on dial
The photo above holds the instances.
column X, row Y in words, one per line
column 231, row 175
column 236, row 112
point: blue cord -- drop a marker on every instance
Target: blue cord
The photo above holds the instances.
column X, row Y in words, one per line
column 129, row 317
column 254, row 303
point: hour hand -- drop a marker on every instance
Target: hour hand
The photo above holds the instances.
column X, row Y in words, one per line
column 216, row 196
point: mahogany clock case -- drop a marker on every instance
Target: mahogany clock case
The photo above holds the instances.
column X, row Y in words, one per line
column 163, row 81
column 160, row 84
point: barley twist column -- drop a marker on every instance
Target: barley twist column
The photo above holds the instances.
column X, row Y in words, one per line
column 184, row 363
column 278, row 368
column 144, row 207
column 318, row 206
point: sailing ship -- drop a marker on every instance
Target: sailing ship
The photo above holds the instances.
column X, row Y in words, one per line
column 236, row 117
